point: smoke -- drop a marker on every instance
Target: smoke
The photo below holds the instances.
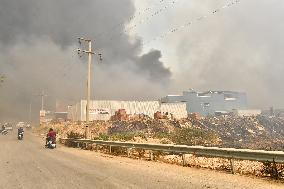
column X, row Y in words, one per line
column 239, row 48
column 37, row 42
column 149, row 63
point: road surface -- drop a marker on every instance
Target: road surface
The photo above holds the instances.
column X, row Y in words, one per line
column 27, row 165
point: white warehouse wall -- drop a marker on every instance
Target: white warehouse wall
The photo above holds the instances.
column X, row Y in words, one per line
column 103, row 109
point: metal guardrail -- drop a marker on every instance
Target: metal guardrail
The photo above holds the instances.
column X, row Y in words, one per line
column 227, row 153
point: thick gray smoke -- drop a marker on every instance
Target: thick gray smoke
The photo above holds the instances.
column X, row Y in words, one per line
column 37, row 43
column 155, row 68
column 240, row 48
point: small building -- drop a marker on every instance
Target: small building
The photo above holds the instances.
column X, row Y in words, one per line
column 61, row 115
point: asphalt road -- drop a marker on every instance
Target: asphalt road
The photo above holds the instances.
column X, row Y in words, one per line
column 28, row 165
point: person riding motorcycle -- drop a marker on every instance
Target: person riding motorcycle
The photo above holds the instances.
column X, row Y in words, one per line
column 20, row 132
column 3, row 130
column 51, row 136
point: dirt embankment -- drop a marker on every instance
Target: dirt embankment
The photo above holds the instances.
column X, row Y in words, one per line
column 237, row 132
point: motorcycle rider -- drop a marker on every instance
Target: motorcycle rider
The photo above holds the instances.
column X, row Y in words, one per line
column 3, row 130
column 51, row 135
column 20, row 131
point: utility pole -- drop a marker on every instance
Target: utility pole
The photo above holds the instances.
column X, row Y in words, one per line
column 89, row 52
column 42, row 111
column 42, row 95
column 30, row 113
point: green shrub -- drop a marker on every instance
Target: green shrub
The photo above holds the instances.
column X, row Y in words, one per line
column 103, row 137
column 74, row 135
column 162, row 135
column 122, row 136
column 193, row 136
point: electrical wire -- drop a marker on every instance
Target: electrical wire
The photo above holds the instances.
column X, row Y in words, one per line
column 190, row 23
column 144, row 20
column 121, row 24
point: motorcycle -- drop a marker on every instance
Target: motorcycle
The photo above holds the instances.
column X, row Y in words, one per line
column 4, row 132
column 21, row 136
column 50, row 143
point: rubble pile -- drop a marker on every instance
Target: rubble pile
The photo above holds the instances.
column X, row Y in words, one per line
column 120, row 115
column 100, row 127
column 146, row 125
column 160, row 115
column 273, row 125
column 245, row 132
column 259, row 132
column 195, row 136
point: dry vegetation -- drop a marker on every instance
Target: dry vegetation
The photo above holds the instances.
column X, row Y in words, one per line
column 238, row 132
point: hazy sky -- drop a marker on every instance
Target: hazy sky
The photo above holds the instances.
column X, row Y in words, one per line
column 238, row 48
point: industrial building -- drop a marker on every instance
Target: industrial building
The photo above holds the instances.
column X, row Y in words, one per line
column 210, row 102
column 103, row 110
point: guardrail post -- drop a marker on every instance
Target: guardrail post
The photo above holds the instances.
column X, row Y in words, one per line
column 151, row 155
column 128, row 152
column 97, row 148
column 232, row 166
column 110, row 149
column 183, row 160
column 78, row 145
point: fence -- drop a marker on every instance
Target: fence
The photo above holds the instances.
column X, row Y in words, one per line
column 227, row 153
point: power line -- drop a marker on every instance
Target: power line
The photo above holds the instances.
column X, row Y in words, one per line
column 189, row 23
column 131, row 18
column 152, row 15
column 140, row 22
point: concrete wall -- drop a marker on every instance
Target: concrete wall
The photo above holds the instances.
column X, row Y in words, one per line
column 74, row 112
column 177, row 109
column 247, row 112
column 103, row 110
